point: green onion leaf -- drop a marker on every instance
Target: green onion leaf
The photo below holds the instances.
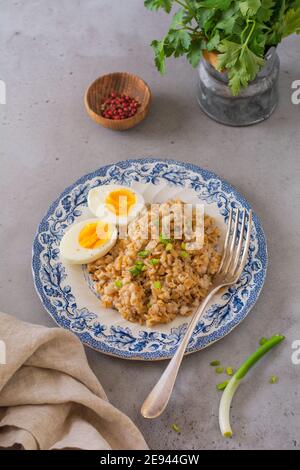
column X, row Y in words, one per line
column 184, row 254
column 154, row 261
column 214, row 363
column 138, row 268
column 222, row 385
column 169, row 247
column 262, row 341
column 157, row 285
column 175, row 428
column 144, row 253
column 273, row 379
column 135, row 271
column 219, row 369
column 236, row 379
column 229, row 370
column 118, row 284
column 164, row 240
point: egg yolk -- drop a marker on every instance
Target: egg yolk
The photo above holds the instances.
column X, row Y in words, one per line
column 94, row 235
column 120, row 201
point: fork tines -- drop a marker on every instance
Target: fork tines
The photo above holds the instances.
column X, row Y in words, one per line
column 236, row 243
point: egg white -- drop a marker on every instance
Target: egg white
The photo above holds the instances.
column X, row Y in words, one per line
column 96, row 202
column 73, row 252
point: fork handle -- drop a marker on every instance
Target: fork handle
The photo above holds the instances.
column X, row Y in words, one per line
column 158, row 398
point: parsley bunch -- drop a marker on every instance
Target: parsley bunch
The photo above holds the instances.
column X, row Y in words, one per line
column 240, row 32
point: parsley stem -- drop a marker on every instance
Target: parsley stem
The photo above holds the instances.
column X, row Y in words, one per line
column 185, row 5
column 250, row 33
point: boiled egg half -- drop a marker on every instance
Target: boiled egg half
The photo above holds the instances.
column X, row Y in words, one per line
column 115, row 204
column 87, row 241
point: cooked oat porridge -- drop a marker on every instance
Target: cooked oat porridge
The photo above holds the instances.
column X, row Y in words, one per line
column 154, row 281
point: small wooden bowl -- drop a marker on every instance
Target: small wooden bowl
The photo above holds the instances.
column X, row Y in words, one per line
column 121, row 83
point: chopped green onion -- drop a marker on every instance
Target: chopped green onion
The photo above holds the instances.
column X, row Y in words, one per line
column 144, row 253
column 183, row 246
column 118, row 284
column 169, row 247
column 139, row 263
column 184, row 254
column 262, row 341
column 138, row 268
column 214, row 363
column 236, row 379
column 144, row 268
column 175, row 428
column 154, row 261
column 149, row 305
column 157, row 285
column 222, row 385
column 164, row 240
column 229, row 370
column 219, row 370
column 135, row 271
column 273, row 379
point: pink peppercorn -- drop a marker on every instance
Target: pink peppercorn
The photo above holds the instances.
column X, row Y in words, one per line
column 119, row 107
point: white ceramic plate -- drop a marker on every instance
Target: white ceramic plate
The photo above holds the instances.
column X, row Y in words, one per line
column 69, row 297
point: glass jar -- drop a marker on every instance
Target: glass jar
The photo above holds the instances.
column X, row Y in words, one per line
column 254, row 103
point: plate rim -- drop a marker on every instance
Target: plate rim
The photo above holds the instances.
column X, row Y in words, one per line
column 136, row 355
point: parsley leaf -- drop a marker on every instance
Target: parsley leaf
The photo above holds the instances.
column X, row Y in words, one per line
column 291, row 22
column 221, row 4
column 241, row 31
column 157, row 4
column 250, row 7
column 159, row 55
column 195, row 51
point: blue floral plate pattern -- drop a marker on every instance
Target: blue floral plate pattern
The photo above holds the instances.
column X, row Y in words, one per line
column 68, row 296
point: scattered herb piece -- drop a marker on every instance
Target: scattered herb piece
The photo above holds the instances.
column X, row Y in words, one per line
column 273, row 379
column 183, row 246
column 214, row 363
column 138, row 268
column 157, row 285
column 229, row 371
column 163, row 240
column 154, row 261
column 184, row 254
column 144, row 253
column 169, row 247
column 219, row 370
column 222, row 385
column 175, row 428
column 118, row 284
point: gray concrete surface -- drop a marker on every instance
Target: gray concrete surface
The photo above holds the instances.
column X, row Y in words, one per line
column 50, row 52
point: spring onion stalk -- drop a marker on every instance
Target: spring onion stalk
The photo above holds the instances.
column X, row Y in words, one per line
column 235, row 381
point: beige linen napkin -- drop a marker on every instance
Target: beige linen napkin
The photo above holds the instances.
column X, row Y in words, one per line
column 50, row 398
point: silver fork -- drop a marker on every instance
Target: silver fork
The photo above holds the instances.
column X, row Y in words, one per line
column 234, row 257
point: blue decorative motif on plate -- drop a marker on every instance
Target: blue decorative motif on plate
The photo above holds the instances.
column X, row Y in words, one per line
column 51, row 279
